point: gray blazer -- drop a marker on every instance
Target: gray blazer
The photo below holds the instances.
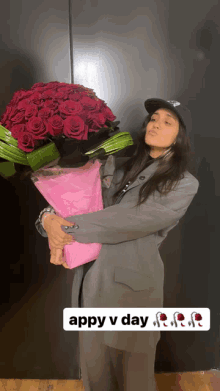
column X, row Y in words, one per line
column 129, row 271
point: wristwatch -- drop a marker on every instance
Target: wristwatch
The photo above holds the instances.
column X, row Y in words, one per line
column 49, row 209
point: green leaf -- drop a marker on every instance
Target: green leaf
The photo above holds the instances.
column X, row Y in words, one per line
column 114, row 144
column 5, row 135
column 43, row 156
column 13, row 154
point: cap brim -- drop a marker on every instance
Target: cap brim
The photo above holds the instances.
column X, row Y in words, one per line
column 154, row 104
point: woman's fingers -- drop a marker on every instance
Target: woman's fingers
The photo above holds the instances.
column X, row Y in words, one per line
column 55, row 260
column 56, row 235
column 64, row 264
column 58, row 244
column 56, row 256
column 57, row 238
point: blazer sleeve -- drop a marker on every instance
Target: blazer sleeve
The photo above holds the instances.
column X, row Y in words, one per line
column 122, row 222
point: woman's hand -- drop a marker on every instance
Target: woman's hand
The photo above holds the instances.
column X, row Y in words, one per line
column 57, row 238
column 64, row 264
column 56, row 257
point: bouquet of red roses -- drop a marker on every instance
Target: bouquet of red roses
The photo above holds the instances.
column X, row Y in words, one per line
column 54, row 109
column 65, row 124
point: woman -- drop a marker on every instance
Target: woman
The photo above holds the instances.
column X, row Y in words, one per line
column 155, row 190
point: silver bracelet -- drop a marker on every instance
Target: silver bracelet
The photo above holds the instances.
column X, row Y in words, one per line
column 49, row 209
column 43, row 218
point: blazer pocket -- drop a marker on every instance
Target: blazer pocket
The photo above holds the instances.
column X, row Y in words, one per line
column 132, row 278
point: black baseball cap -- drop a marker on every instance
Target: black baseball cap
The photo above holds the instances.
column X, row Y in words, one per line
column 181, row 111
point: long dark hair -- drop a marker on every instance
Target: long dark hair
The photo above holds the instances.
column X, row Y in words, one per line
column 170, row 169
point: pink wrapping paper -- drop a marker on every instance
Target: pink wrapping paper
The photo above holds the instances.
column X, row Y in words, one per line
column 75, row 191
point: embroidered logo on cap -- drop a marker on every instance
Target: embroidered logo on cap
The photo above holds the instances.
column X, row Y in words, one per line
column 174, row 102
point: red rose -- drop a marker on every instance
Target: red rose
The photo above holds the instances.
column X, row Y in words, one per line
column 47, row 94
column 15, row 98
column 7, row 125
column 16, row 130
column 70, row 107
column 26, row 142
column 89, row 93
column 85, row 115
column 50, row 104
column 89, row 103
column 35, row 98
column 39, row 89
column 88, row 90
column 18, row 118
column 60, row 95
column 25, row 95
column 98, row 120
column 108, row 114
column 76, row 86
column 36, row 85
column 31, row 111
column 63, row 84
column 52, row 84
column 13, row 112
column 102, row 105
column 65, row 89
column 99, row 106
column 55, row 125
column 37, row 128
column 23, row 104
column 47, row 88
column 7, row 113
column 45, row 113
column 74, row 96
column 75, row 127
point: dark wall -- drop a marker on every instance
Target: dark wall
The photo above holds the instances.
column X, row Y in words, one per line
column 34, row 48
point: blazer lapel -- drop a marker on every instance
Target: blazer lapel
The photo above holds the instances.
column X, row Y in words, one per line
column 145, row 175
column 107, row 171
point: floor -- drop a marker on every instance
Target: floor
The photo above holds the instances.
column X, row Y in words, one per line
column 190, row 381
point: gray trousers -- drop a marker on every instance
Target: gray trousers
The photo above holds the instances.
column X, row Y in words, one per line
column 110, row 369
